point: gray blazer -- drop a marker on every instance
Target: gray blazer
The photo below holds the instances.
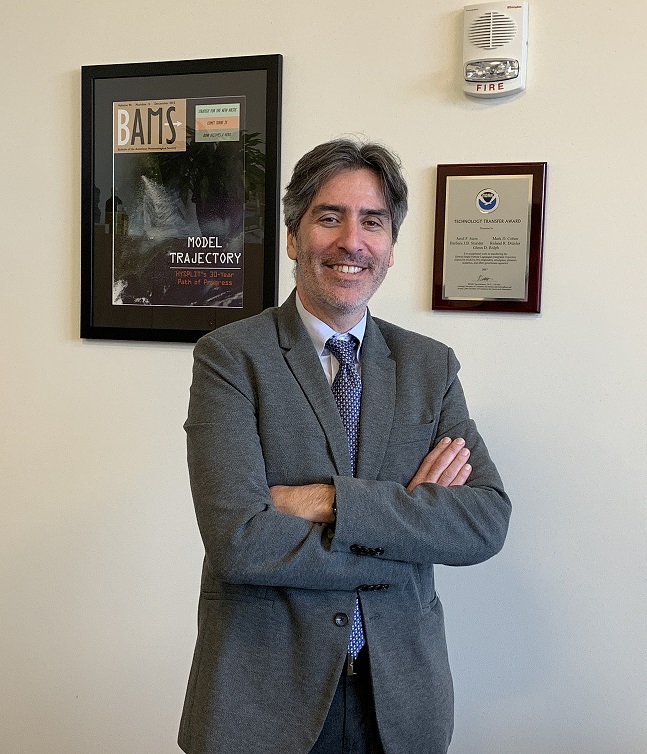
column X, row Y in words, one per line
column 276, row 589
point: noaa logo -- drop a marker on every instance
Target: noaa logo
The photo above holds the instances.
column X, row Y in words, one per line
column 487, row 200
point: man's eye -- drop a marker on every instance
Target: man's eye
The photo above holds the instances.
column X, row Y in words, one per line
column 328, row 220
column 373, row 223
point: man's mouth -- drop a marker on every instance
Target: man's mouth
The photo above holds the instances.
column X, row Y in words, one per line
column 352, row 269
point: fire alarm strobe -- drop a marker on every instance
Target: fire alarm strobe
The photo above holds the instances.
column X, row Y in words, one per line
column 495, row 48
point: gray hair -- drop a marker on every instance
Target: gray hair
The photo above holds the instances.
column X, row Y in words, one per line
column 326, row 160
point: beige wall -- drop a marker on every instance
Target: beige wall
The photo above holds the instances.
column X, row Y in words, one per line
column 99, row 558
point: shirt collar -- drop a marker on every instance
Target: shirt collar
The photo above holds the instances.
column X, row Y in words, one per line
column 319, row 331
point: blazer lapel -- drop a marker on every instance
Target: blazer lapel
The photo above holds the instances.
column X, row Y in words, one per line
column 302, row 359
column 378, row 401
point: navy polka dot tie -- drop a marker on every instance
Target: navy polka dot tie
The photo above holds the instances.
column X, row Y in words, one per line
column 347, row 389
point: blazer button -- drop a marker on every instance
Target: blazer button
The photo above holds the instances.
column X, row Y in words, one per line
column 341, row 619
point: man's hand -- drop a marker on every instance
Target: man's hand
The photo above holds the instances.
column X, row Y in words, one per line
column 313, row 502
column 445, row 465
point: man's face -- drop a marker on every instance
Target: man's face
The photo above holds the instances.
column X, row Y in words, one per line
column 343, row 248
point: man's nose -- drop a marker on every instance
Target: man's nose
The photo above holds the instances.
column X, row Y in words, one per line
column 350, row 236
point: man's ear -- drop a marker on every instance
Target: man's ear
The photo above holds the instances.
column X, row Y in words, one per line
column 391, row 260
column 292, row 245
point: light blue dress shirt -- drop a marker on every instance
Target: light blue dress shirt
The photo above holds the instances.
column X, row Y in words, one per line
column 319, row 333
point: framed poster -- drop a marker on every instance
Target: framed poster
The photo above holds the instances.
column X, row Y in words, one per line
column 489, row 237
column 180, row 195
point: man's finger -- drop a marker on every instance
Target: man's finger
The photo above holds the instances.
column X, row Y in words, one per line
column 437, row 461
column 462, row 476
column 448, row 476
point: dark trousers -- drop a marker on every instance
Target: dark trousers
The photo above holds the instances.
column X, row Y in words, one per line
column 351, row 726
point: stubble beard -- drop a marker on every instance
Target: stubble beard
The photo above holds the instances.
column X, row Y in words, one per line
column 326, row 297
column 307, row 279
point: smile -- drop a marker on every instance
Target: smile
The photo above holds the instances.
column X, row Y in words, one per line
column 346, row 268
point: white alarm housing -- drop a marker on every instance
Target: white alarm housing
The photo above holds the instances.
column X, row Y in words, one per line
column 495, row 48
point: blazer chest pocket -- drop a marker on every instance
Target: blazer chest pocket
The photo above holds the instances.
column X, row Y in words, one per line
column 408, row 444
column 404, row 434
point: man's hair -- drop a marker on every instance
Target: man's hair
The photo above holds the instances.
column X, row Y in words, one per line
column 326, row 160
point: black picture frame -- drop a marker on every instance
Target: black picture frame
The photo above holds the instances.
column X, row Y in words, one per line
column 179, row 237
column 485, row 240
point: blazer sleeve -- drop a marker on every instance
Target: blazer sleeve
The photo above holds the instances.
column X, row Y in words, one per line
column 247, row 541
column 459, row 525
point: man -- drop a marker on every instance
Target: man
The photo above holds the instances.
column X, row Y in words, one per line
column 319, row 626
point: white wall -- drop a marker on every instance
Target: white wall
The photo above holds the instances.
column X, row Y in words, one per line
column 100, row 557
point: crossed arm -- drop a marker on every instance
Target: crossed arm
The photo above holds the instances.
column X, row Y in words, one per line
column 445, row 465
